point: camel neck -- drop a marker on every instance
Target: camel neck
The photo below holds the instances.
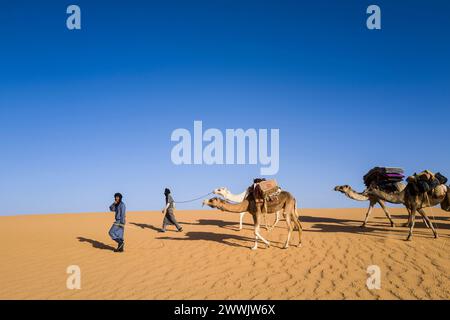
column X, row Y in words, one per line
column 352, row 194
column 235, row 197
column 231, row 207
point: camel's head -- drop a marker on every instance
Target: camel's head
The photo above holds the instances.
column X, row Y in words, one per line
column 221, row 191
column 213, row 203
column 344, row 189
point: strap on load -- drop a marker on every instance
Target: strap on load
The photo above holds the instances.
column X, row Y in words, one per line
column 265, row 191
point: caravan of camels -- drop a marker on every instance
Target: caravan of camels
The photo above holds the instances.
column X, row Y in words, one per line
column 263, row 197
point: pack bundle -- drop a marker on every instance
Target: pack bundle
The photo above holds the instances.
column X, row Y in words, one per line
column 265, row 190
column 441, row 178
column 425, row 181
column 269, row 187
column 385, row 178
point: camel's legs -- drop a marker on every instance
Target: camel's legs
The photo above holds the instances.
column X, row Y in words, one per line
column 371, row 205
column 257, row 233
column 381, row 203
column 241, row 218
column 408, row 224
column 428, row 221
column 289, row 227
column 256, row 236
column 256, row 243
column 277, row 219
column 299, row 226
column 261, row 237
column 265, row 221
column 423, row 217
column 411, row 227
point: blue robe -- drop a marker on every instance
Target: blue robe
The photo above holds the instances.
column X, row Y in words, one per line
column 117, row 229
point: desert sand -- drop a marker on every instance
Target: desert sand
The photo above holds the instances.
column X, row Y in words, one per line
column 211, row 259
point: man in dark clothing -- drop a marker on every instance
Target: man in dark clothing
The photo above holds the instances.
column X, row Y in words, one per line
column 117, row 229
column 169, row 217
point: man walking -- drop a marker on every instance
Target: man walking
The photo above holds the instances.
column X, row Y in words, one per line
column 117, row 229
column 169, row 217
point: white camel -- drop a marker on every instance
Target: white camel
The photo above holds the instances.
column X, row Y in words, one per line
column 238, row 198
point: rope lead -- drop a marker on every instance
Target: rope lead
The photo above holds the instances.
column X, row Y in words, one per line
column 194, row 199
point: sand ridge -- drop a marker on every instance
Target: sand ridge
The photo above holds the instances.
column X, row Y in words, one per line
column 211, row 259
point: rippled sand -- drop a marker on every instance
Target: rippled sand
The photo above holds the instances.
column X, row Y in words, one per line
column 211, row 259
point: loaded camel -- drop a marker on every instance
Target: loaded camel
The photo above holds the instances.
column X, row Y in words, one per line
column 237, row 198
column 285, row 203
column 414, row 203
column 373, row 200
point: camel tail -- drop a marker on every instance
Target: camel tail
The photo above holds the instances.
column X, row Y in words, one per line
column 297, row 222
column 296, row 215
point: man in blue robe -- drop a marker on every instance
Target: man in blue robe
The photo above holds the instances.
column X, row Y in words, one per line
column 117, row 229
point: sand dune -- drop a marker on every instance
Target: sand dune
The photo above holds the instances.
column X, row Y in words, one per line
column 212, row 260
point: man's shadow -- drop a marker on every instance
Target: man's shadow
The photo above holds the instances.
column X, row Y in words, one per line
column 145, row 226
column 96, row 244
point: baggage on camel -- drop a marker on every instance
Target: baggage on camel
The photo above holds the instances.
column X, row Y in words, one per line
column 385, row 178
column 425, row 182
column 264, row 191
column 442, row 179
column 268, row 187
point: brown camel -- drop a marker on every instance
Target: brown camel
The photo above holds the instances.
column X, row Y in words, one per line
column 373, row 200
column 362, row 196
column 285, row 203
column 414, row 203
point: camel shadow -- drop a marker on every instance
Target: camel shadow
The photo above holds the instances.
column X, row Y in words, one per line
column 325, row 224
column 332, row 228
column 395, row 217
column 221, row 238
column 440, row 224
column 380, row 224
column 217, row 223
column 96, row 244
column 440, row 218
column 438, row 221
column 310, row 219
column 333, row 225
column 145, row 226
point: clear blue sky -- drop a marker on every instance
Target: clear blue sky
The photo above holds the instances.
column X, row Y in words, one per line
column 88, row 113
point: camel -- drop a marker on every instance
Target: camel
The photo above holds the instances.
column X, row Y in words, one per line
column 373, row 200
column 285, row 203
column 363, row 196
column 414, row 203
column 227, row 195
